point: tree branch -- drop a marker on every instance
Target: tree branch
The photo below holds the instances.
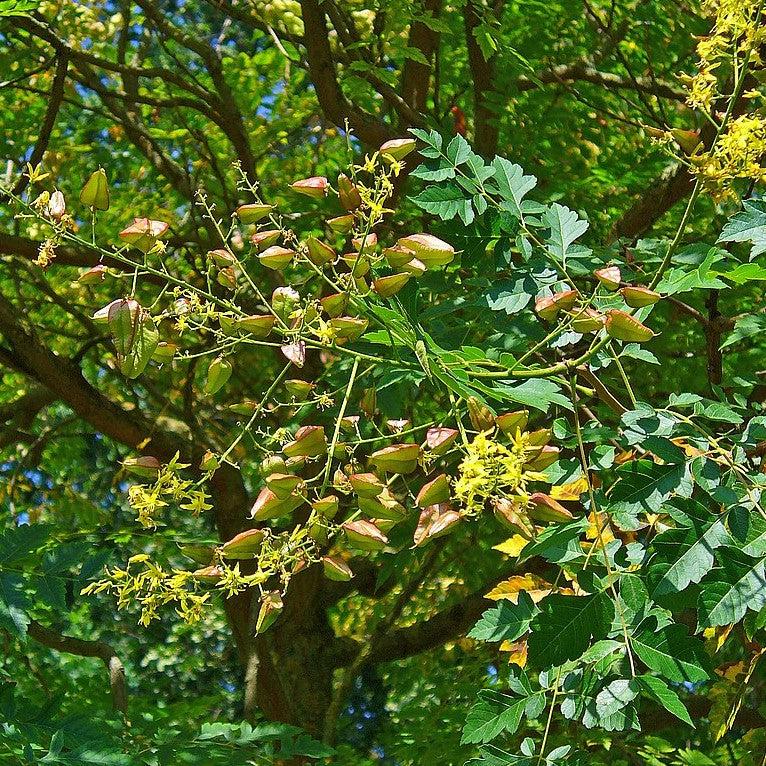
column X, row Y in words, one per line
column 82, row 648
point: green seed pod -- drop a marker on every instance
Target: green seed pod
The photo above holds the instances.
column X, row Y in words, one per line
column 245, row 545
column 610, row 277
column 342, row 224
column 310, row 441
column 440, row 439
column 480, row 415
column 624, row 327
column 257, row 325
column 336, row 569
column 366, row 484
column 398, row 458
column 435, row 521
column 542, row 507
column 397, row 148
column 253, row 212
column 348, row 194
column 95, row 193
column 364, row 536
column 276, row 257
column 512, row 422
column 434, row 492
column 218, row 373
column 385, row 287
column 265, row 239
column 318, row 252
column 638, row 297
column 145, row 466
column 271, row 608
column 429, row 250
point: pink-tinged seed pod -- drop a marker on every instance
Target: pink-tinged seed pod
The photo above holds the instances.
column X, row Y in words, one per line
column 398, row 458
column 366, row 484
column 435, row 521
column 622, row 326
column 440, row 439
column 388, row 286
column 271, row 608
column 336, row 569
column 245, row 545
column 145, row 466
column 253, row 212
column 56, row 207
column 314, row 187
column 93, row 276
column 638, row 297
column 310, row 441
column 276, row 257
column 364, row 535
column 511, row 515
column 430, row 250
column 295, row 353
column 264, row 239
column 610, row 277
column 434, row 492
column 548, row 308
column 542, row 507
column 348, row 194
column 143, row 233
column 398, row 148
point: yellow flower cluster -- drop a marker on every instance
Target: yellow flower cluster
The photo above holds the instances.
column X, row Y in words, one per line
column 152, row 587
column 491, row 470
column 737, row 155
column 734, row 32
column 169, row 486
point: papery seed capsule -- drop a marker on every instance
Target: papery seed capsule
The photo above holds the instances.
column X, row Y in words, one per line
column 221, row 258
column 95, row 193
column 209, row 462
column 365, row 242
column 545, row 458
column 93, row 276
column 398, row 255
column 268, row 506
column 341, row 224
column 276, row 257
column 435, row 521
column 211, row 574
column 512, row 422
column 510, row 514
column 283, row 484
column 227, row 278
column 318, row 252
column 434, row 492
column 218, row 373
column 397, row 148
column 429, row 250
column 56, row 207
column 253, row 212
column 273, row 464
column 638, row 297
column 202, row 554
column 334, row 305
column 610, row 277
column 145, row 466
column 587, row 320
column 364, row 535
column 348, row 328
column 315, row 187
column 385, row 287
column 336, row 569
column 548, row 308
column 366, row 484
column 295, row 353
column 348, row 194
column 327, row 506
column 271, row 608
column 415, row 267
column 480, row 415
column 245, row 545
column 542, row 507
column 398, row 458
column 384, row 507
column 300, row 389
column 143, row 233
column 284, row 300
column 440, row 439
column 164, row 352
column 257, row 325
column 310, row 441
column 265, row 239
column 624, row 327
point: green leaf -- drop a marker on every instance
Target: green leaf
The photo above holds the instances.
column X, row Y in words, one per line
column 18, row 7
column 700, row 277
column 511, row 184
column 656, row 689
column 732, row 588
column 672, row 653
column 506, row 621
column 749, row 225
column 446, row 201
column 615, row 696
column 489, row 718
column 565, row 226
column 744, row 328
column 566, row 625
column 690, row 553
column 644, row 486
column 539, row 393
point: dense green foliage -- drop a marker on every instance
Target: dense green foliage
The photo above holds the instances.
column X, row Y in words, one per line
column 382, row 382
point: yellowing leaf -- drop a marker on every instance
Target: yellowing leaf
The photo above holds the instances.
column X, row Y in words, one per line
column 570, row 491
column 535, row 586
column 518, row 652
column 598, row 522
column 512, row 546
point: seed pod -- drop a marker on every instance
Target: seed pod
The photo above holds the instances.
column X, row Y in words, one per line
column 273, row 464
column 348, row 328
column 688, row 140
column 300, row 389
column 135, row 336
column 610, row 277
column 211, row 574
column 295, row 353
column 164, row 352
column 202, row 554
column 440, row 439
column 542, row 507
column 245, row 545
column 209, row 462
column 143, row 233
column 511, row 423
column 218, row 373
column 587, row 320
column 480, row 415
column 398, row 458
column 271, row 607
column 624, row 327
column 384, row 507
column 257, row 325
column 358, row 264
column 348, row 194
column 397, row 148
column 276, row 257
column 221, row 258
column 93, row 276
column 638, row 297
column 327, row 506
column 396, row 426
column 415, row 267
column 364, row 535
column 265, row 239
column 253, row 212
column 398, row 255
column 510, row 516
column 102, row 315
column 548, row 308
column 342, row 224
column 539, row 438
column 227, row 278
column 314, row 187
column 336, row 569
column 283, row 484
column 429, row 250
column 56, row 207
column 385, row 287
column 434, row 492
column 435, row 521
column 318, row 252
column 228, row 325
column 334, row 305
column 95, row 193
column 268, row 506
column 545, row 458
column 145, row 466
column 366, row 484
column 310, row 441
column 349, row 423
